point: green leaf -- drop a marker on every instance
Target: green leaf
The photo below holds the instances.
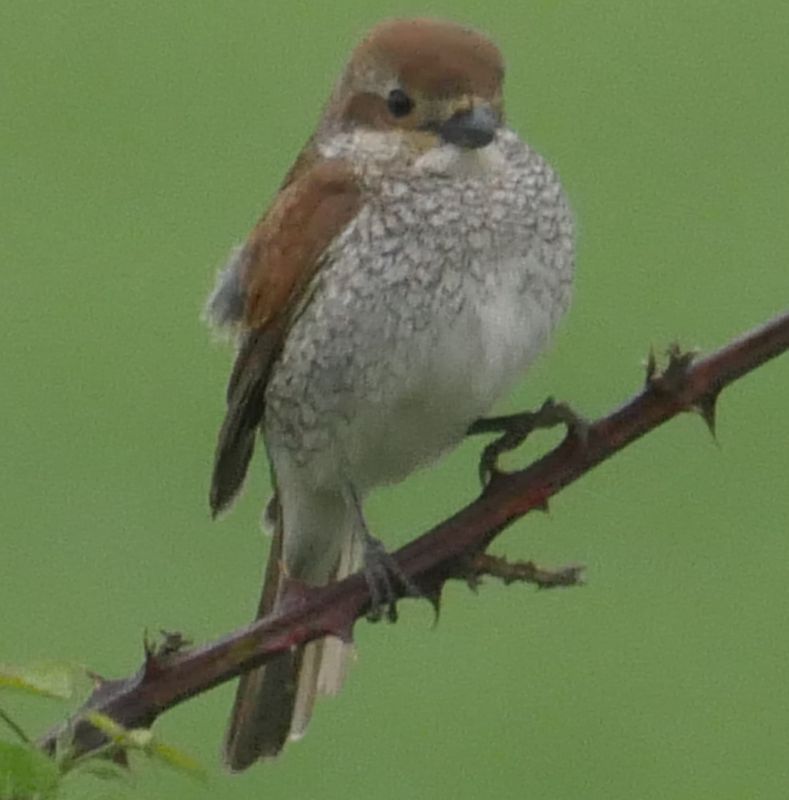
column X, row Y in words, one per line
column 57, row 679
column 26, row 772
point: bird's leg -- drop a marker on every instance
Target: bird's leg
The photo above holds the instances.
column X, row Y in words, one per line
column 383, row 574
column 514, row 429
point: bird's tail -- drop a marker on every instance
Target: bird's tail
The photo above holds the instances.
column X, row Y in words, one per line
column 274, row 703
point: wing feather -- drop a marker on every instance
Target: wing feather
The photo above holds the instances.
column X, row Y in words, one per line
column 277, row 264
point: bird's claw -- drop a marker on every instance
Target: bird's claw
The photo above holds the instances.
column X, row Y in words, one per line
column 515, row 428
column 386, row 580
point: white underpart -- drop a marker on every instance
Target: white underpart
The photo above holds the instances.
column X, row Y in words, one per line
column 451, row 380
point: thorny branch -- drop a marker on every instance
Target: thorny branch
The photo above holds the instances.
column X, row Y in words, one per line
column 454, row 548
column 521, row 572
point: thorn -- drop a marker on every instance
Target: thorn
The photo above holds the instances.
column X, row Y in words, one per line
column 673, row 376
column 670, row 380
column 147, row 644
column 434, row 598
column 542, row 505
column 706, row 407
column 650, row 366
column 680, row 359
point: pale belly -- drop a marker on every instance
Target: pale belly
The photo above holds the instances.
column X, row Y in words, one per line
column 418, row 399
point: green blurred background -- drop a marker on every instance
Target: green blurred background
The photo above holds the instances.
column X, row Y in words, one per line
column 141, row 140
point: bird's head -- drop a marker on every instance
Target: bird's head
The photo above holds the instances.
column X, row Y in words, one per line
column 432, row 81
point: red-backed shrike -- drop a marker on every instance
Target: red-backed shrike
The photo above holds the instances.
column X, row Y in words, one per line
column 411, row 267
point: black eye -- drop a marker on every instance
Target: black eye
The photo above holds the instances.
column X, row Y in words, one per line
column 399, row 103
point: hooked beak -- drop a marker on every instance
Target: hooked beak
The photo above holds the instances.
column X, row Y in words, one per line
column 472, row 128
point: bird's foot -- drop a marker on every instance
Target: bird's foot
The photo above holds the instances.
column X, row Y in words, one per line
column 515, row 428
column 386, row 579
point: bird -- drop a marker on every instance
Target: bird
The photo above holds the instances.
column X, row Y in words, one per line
column 411, row 267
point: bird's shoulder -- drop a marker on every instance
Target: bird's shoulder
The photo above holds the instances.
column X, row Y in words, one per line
column 318, row 199
column 264, row 279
